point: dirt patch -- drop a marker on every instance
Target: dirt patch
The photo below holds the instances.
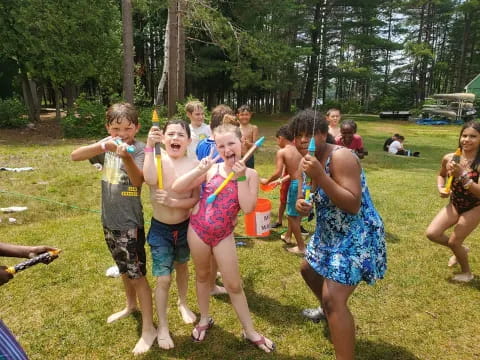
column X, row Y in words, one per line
column 46, row 131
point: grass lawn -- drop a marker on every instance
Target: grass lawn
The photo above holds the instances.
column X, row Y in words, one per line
column 59, row 311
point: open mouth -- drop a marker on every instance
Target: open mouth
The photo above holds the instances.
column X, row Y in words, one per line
column 175, row 147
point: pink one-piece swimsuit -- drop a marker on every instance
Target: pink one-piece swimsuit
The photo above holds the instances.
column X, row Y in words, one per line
column 214, row 222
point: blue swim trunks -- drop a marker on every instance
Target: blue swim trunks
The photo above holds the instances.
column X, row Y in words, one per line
column 292, row 198
column 168, row 244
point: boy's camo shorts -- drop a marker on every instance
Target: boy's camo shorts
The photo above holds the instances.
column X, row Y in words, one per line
column 128, row 250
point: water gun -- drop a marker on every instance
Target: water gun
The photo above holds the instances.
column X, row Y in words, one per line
column 273, row 184
column 448, row 184
column 249, row 153
column 130, row 148
column 308, row 180
column 46, row 257
column 158, row 152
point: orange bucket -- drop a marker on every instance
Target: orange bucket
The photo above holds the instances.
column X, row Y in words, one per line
column 257, row 223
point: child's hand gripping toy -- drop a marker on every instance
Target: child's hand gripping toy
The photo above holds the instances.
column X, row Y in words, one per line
column 158, row 153
column 273, row 184
column 448, row 185
column 308, row 180
column 249, row 153
column 46, row 258
column 130, row 148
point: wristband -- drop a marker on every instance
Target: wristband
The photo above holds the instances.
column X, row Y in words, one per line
column 148, row 149
column 242, row 178
column 102, row 145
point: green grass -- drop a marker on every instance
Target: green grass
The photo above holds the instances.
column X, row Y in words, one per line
column 59, row 311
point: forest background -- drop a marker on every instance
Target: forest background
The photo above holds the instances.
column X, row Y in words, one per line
column 277, row 55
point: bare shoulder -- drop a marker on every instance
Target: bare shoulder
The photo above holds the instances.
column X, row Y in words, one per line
column 344, row 159
column 249, row 172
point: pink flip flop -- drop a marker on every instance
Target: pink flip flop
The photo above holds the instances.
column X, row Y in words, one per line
column 258, row 343
column 202, row 329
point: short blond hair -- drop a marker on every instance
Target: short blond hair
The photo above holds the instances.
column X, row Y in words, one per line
column 227, row 128
column 193, row 105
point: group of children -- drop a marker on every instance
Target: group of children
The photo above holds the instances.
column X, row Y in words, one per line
column 176, row 230
column 186, row 222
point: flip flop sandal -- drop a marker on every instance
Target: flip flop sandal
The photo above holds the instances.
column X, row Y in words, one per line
column 258, row 343
column 202, row 329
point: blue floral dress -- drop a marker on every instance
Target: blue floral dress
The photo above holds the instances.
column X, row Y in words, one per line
column 347, row 248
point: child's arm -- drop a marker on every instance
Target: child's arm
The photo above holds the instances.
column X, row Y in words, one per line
column 149, row 167
column 134, row 173
column 89, row 151
column 196, row 176
column 279, row 168
column 248, row 188
column 163, row 197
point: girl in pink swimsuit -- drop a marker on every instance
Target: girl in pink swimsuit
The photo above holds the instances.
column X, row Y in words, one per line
column 210, row 232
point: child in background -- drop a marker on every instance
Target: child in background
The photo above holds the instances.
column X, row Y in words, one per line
column 205, row 146
column 122, row 212
column 349, row 139
column 333, row 118
column 171, row 211
column 387, row 142
column 249, row 132
column 289, row 158
column 198, row 129
column 210, row 232
column 463, row 210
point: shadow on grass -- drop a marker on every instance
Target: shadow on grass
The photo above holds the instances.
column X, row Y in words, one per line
column 391, row 238
column 370, row 350
column 219, row 343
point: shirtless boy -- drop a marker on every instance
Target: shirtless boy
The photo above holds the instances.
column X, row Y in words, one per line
column 171, row 212
column 289, row 158
column 249, row 132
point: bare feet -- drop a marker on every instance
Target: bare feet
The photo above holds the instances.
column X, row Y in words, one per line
column 218, row 290
column 164, row 340
column 453, row 259
column 463, row 277
column 187, row 315
column 120, row 315
column 296, row 250
column 260, row 342
column 145, row 342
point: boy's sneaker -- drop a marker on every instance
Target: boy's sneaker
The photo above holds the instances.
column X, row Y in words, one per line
column 315, row 314
column 303, row 231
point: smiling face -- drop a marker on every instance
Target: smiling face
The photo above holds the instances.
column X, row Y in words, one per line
column 470, row 139
column 244, row 117
column 347, row 134
column 124, row 129
column 176, row 140
column 229, row 147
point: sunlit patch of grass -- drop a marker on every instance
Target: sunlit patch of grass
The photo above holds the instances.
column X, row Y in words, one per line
column 59, row 311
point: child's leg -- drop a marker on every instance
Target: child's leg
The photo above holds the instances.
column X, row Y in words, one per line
column 446, row 217
column 226, row 255
column 215, row 289
column 467, row 222
column 201, row 255
column 340, row 320
column 181, row 270
column 161, row 300
column 131, row 306
column 281, row 211
column 294, row 222
column 149, row 333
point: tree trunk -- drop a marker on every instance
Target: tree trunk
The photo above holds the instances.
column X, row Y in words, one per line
column 159, row 100
column 33, row 111
column 128, row 64
column 58, row 115
column 181, row 52
column 172, row 58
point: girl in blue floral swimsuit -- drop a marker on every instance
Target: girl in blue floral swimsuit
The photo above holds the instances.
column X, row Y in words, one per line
column 348, row 245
